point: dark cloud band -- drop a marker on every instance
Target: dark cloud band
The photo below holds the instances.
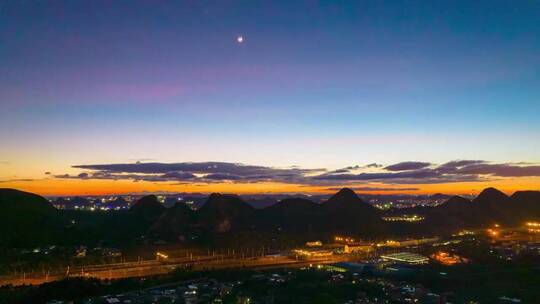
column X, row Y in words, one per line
column 404, row 166
column 412, row 172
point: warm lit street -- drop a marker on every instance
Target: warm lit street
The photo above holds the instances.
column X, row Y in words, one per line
column 155, row 267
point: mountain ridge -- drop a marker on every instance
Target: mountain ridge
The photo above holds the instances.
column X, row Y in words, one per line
column 229, row 215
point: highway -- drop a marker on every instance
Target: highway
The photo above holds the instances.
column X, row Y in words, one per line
column 165, row 265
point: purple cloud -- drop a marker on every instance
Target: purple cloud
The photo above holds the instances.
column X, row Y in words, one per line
column 409, row 165
column 374, row 165
column 501, row 170
column 223, row 176
column 201, row 167
column 412, row 172
column 367, row 189
column 179, row 175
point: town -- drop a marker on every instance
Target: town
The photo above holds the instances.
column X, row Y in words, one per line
column 382, row 268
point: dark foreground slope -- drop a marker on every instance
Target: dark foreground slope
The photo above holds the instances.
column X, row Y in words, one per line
column 27, row 219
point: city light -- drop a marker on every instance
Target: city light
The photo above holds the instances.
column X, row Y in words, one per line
column 533, row 227
column 465, row 232
column 312, row 253
column 406, row 257
column 448, row 259
column 493, row 232
column 404, row 218
column 161, row 255
column 342, row 239
column 314, row 244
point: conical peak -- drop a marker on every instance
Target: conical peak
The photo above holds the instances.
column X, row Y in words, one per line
column 344, row 196
column 346, row 193
column 491, row 193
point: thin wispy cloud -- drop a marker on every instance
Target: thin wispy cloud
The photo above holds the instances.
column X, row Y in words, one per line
column 18, row 180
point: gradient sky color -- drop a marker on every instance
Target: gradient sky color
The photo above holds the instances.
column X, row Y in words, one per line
column 315, row 84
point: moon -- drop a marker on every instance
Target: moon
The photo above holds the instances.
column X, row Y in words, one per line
column 240, row 39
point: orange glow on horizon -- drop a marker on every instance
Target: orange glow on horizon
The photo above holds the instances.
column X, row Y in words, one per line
column 54, row 186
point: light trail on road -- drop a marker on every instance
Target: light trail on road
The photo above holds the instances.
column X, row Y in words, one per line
column 159, row 267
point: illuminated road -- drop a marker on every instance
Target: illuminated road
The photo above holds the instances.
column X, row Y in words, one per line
column 155, row 267
column 219, row 261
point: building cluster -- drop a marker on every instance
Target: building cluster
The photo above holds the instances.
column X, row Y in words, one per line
column 240, row 290
column 348, row 245
column 404, row 218
column 110, row 203
column 448, row 259
column 402, row 202
column 533, row 227
column 508, row 243
column 312, row 253
column 391, row 291
column 408, row 242
column 200, row 291
column 78, row 251
column 94, row 203
column 341, row 245
column 510, row 249
column 405, row 258
column 189, row 292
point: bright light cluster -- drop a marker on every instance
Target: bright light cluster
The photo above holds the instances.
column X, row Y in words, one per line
column 343, row 239
column 404, row 218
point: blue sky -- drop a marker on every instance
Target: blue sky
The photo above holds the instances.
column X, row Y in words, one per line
column 315, row 84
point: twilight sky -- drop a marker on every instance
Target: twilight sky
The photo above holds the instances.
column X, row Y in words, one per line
column 409, row 96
